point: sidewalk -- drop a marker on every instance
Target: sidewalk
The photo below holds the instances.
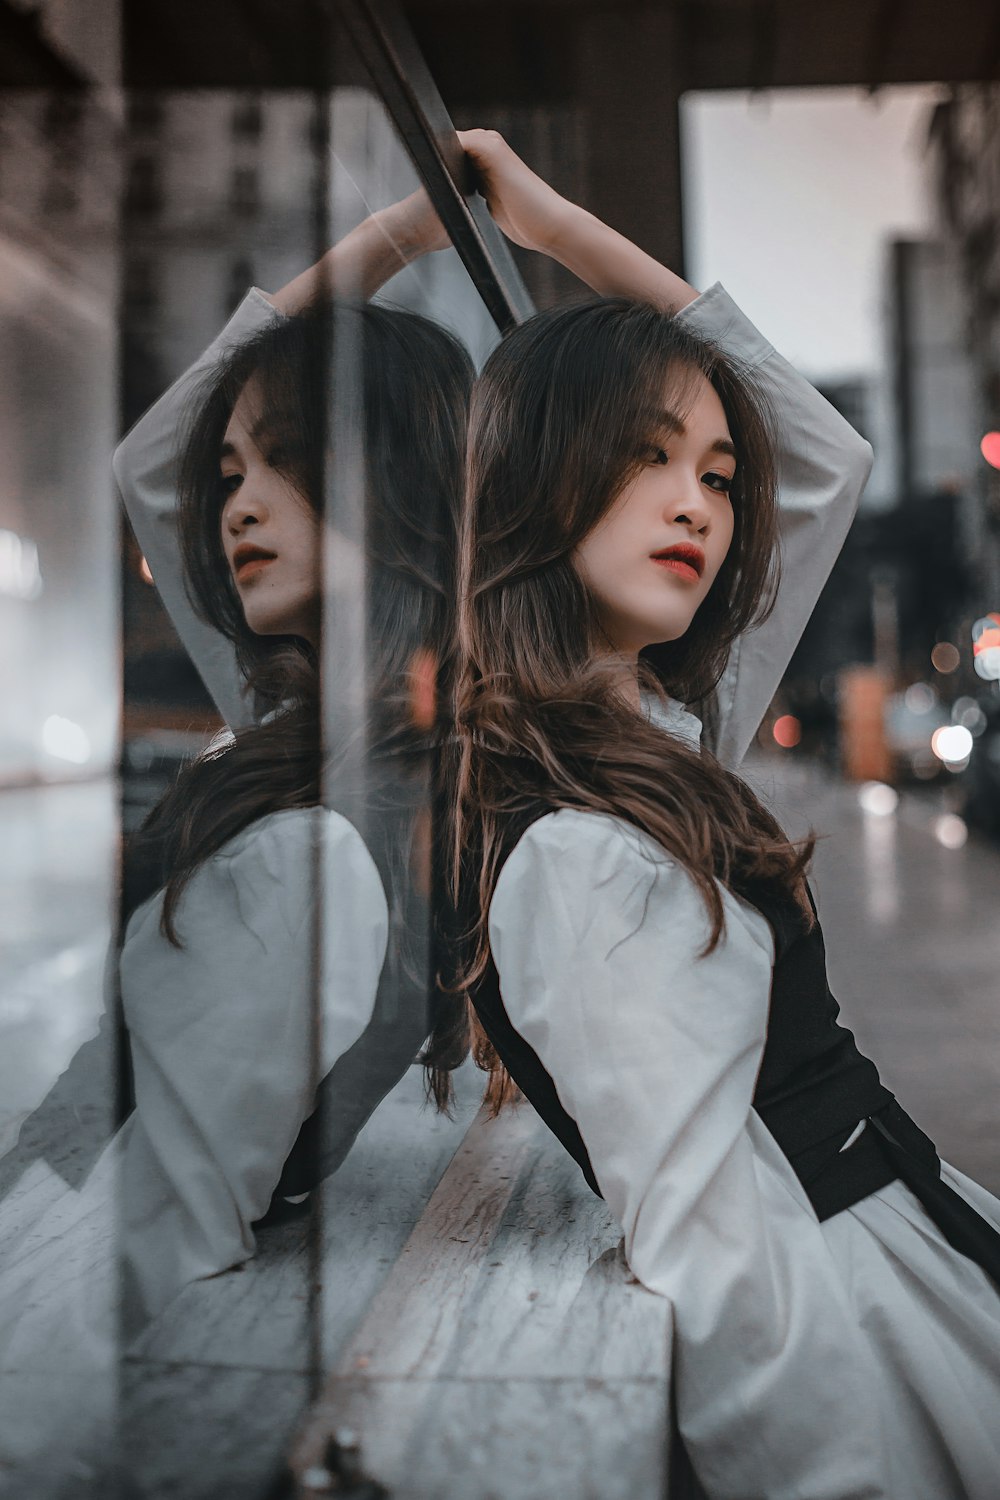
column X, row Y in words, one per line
column 913, row 943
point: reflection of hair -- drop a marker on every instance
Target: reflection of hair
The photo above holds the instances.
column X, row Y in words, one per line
column 416, row 381
column 561, row 419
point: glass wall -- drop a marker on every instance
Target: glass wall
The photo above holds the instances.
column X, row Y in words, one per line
column 217, row 755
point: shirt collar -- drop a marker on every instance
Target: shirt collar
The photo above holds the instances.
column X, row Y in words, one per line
column 673, row 718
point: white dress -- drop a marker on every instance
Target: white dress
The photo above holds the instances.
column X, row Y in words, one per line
column 849, row 1360
column 855, row 1358
column 221, row 1033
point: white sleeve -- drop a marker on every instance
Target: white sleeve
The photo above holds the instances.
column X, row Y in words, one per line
column 823, row 466
column 222, row 1034
column 654, row 1052
column 145, row 466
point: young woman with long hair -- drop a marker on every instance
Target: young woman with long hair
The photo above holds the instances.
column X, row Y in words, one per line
column 240, row 848
column 635, row 944
column 246, row 871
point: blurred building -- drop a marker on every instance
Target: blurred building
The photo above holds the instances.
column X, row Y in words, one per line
column 965, row 161
column 218, row 188
column 59, row 268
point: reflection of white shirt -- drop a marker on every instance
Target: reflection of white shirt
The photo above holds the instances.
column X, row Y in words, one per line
column 222, row 1033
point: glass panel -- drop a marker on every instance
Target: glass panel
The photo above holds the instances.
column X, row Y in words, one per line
column 195, row 1151
column 213, row 1124
column 59, row 675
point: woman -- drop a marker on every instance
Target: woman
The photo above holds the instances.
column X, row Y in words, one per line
column 250, row 486
column 637, row 938
column 240, row 877
column 239, row 848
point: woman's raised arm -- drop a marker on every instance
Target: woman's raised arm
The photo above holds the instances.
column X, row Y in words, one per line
column 146, row 461
column 823, row 464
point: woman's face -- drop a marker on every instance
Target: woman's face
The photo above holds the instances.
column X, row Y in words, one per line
column 653, row 557
column 270, row 533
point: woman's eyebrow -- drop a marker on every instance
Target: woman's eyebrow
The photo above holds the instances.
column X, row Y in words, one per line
column 673, row 423
column 272, row 422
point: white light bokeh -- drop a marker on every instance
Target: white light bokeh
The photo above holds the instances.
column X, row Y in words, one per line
column 952, row 743
column 878, row 799
column 20, row 573
column 968, row 712
column 920, row 698
column 950, row 830
column 65, row 740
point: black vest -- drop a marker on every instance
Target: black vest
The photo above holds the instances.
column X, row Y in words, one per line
column 813, row 1088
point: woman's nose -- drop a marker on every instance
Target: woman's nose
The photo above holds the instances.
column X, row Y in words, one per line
column 691, row 509
column 244, row 509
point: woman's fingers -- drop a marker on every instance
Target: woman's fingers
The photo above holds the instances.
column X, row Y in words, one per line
column 527, row 210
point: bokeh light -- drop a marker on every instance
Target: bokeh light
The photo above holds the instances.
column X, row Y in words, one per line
column 920, row 698
column 950, row 830
column 65, row 740
column 945, row 657
column 986, row 647
column 787, row 731
column 877, row 798
column 952, row 744
column 990, row 449
column 968, row 712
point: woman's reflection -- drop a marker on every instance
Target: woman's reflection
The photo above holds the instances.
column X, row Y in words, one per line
column 217, row 971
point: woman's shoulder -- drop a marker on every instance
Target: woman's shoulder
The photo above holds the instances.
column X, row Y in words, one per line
column 593, row 871
column 576, row 832
column 273, row 864
column 578, row 860
column 289, row 833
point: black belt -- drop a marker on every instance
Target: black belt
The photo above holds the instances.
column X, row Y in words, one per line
column 892, row 1148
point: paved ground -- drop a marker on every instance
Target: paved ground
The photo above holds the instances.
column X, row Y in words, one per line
column 913, row 940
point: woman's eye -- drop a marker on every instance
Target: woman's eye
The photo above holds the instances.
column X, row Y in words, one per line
column 230, row 483
column 657, row 455
column 721, row 482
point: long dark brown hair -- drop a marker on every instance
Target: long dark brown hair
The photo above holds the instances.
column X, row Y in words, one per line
column 561, row 421
column 416, row 381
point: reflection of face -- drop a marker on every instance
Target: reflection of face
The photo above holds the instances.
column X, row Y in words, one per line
column 651, row 560
column 270, row 534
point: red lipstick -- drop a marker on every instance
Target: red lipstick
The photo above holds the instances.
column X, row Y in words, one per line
column 249, row 560
column 684, row 559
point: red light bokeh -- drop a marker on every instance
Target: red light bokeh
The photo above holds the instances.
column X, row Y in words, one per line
column 787, row 731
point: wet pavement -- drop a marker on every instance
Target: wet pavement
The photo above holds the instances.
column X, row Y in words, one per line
column 913, row 942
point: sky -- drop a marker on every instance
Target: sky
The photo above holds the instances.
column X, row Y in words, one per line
column 789, row 199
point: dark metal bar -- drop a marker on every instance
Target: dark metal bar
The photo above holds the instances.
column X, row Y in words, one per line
column 401, row 78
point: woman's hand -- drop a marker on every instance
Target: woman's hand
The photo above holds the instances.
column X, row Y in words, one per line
column 529, row 212
column 534, row 215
